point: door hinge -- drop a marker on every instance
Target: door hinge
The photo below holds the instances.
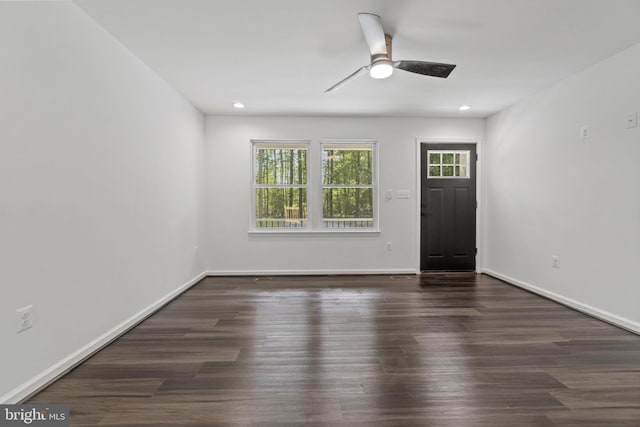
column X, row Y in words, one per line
column 476, row 251
column 476, row 204
column 476, row 157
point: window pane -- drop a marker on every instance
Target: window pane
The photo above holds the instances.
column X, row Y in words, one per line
column 281, row 207
column 447, row 158
column 280, row 165
column 434, row 158
column 455, row 163
column 347, row 207
column 344, row 164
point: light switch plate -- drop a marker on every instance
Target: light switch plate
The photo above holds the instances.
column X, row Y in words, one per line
column 402, row 194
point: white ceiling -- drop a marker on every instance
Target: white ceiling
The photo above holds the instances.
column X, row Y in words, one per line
column 279, row 56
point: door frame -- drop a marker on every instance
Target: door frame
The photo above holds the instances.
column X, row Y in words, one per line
column 479, row 192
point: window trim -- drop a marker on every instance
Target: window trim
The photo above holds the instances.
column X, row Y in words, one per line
column 374, row 184
column 314, row 188
column 282, row 142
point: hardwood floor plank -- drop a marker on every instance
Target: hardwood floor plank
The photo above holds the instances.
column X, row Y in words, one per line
column 103, row 388
column 92, row 369
column 596, row 417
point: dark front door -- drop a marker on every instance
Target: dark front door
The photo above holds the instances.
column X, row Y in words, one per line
column 448, row 211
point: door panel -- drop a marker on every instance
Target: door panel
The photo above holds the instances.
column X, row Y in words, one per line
column 461, row 221
column 448, row 212
column 435, row 225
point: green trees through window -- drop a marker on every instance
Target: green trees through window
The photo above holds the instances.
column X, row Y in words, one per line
column 281, row 178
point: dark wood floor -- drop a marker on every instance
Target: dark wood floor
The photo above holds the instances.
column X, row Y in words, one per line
column 441, row 350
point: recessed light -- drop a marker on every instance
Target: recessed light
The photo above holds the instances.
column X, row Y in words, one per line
column 465, row 108
column 238, row 104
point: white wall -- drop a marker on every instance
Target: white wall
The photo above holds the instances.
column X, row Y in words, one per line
column 547, row 192
column 232, row 250
column 101, row 189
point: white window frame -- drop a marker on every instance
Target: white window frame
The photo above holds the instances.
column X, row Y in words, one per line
column 442, row 153
column 314, row 187
column 277, row 143
column 373, row 185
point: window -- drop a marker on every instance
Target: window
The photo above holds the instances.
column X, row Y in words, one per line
column 322, row 187
column 280, row 184
column 347, row 185
column 448, row 164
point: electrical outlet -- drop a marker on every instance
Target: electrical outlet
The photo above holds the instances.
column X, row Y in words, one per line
column 388, row 246
column 585, row 132
column 555, row 261
column 25, row 318
column 632, row 120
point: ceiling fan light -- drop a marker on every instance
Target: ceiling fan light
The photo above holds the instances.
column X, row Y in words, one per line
column 381, row 70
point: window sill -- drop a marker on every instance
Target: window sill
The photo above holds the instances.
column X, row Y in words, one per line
column 314, row 233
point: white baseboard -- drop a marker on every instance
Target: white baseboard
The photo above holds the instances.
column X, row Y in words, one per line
column 599, row 314
column 63, row 366
column 309, row 272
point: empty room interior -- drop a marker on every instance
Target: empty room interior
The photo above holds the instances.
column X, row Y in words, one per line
column 328, row 212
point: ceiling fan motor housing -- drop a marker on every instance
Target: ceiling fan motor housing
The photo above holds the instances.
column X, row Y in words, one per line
column 381, row 66
column 387, row 41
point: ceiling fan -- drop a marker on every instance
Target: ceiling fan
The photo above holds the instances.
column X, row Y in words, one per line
column 381, row 65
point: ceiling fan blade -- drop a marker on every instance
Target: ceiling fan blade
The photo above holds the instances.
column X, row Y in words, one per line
column 434, row 69
column 354, row 75
column 373, row 33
